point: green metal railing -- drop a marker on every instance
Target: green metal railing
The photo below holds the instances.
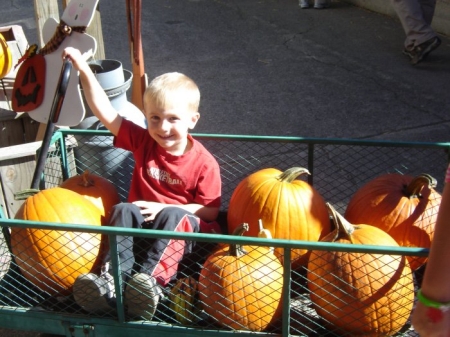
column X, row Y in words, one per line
column 69, row 318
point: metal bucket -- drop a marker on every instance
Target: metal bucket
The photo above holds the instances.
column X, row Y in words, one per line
column 116, row 164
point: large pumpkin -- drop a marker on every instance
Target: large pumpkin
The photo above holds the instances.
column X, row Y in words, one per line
column 53, row 259
column 103, row 194
column 96, row 189
column 241, row 287
column 360, row 294
column 405, row 207
column 289, row 208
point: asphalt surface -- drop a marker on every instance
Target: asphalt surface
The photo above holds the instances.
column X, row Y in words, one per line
column 267, row 67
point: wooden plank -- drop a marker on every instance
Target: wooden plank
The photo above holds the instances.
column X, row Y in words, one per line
column 17, row 43
column 95, row 30
column 18, row 151
column 44, row 10
column 30, row 128
column 17, row 166
column 11, row 132
column 15, row 176
column 6, row 115
column 16, row 128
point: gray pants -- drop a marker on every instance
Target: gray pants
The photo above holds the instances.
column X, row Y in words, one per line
column 415, row 17
column 158, row 257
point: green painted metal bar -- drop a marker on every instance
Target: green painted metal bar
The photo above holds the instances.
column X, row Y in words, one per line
column 2, row 215
column 286, row 322
column 252, row 138
column 311, row 164
column 118, row 282
column 216, row 238
column 61, row 141
column 29, row 320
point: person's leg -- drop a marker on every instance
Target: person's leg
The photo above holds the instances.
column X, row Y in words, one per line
column 321, row 4
column 428, row 8
column 162, row 256
column 96, row 293
column 303, row 3
column 158, row 261
column 411, row 16
column 124, row 215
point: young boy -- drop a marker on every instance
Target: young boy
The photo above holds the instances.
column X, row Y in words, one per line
column 175, row 186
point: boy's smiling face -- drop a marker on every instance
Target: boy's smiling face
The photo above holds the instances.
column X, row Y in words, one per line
column 170, row 125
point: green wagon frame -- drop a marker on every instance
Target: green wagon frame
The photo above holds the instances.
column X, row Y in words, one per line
column 338, row 168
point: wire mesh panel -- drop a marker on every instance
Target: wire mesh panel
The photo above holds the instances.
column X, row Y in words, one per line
column 228, row 284
column 225, row 283
column 338, row 167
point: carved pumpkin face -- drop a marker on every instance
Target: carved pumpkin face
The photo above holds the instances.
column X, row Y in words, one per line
column 29, row 85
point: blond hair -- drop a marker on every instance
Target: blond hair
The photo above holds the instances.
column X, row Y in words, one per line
column 173, row 89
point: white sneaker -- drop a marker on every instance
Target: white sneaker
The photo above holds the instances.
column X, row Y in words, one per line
column 95, row 294
column 321, row 4
column 303, row 3
column 142, row 295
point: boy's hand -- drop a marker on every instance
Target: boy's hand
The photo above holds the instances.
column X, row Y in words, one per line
column 75, row 56
column 149, row 209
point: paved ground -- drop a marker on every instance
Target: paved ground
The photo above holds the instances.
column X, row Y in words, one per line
column 266, row 67
column 270, row 68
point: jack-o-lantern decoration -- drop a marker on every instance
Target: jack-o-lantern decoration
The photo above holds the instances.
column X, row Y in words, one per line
column 29, row 85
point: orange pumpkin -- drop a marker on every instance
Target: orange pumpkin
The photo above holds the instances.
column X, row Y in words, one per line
column 241, row 287
column 53, row 259
column 100, row 191
column 288, row 208
column 360, row 294
column 6, row 59
column 405, row 207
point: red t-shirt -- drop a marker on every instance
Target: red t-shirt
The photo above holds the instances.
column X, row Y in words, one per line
column 193, row 177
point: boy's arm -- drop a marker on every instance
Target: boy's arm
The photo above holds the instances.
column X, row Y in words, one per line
column 94, row 94
column 203, row 212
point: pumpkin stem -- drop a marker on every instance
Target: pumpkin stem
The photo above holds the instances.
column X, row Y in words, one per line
column 290, row 174
column 344, row 229
column 264, row 233
column 414, row 189
column 24, row 194
column 235, row 249
column 85, row 181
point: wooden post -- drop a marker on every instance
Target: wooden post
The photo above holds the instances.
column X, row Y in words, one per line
column 139, row 83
